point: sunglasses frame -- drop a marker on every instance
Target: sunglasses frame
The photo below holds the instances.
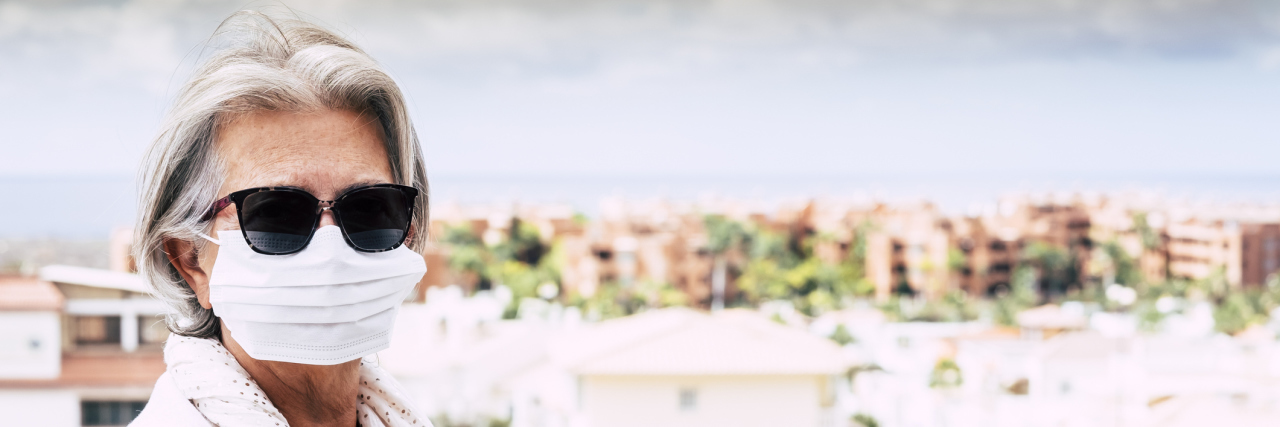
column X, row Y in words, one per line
column 237, row 198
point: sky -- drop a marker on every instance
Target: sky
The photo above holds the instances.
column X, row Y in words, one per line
column 567, row 87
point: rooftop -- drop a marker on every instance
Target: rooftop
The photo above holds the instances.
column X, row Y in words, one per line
column 1050, row 316
column 679, row 341
column 94, row 277
column 28, row 294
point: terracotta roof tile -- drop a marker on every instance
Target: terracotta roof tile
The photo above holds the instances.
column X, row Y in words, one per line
column 26, row 293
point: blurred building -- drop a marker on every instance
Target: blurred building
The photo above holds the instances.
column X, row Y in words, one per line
column 82, row 347
column 915, row 248
column 652, row 241
column 31, row 354
column 1140, row 231
column 905, row 248
column 666, row 367
column 1246, row 253
column 678, row 367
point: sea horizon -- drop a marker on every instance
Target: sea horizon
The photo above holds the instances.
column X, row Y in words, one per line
column 89, row 206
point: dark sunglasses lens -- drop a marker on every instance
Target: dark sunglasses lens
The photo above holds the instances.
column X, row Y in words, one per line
column 278, row 222
column 375, row 219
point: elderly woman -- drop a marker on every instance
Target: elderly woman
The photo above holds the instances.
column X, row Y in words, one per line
column 282, row 204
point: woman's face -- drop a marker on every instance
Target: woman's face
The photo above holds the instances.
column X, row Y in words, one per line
column 323, row 152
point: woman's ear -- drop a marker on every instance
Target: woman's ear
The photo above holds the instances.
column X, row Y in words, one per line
column 184, row 258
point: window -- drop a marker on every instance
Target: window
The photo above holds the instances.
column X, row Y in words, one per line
column 109, row 413
column 97, row 330
column 688, row 399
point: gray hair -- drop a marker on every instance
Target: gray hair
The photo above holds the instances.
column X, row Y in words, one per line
column 266, row 64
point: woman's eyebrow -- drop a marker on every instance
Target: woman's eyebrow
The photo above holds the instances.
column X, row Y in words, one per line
column 358, row 185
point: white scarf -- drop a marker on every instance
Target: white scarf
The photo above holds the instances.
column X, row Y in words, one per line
column 209, row 376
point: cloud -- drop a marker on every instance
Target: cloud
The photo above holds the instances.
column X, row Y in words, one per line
column 887, row 29
column 134, row 43
column 584, row 74
column 149, row 38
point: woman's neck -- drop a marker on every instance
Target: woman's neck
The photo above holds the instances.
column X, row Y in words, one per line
column 307, row 395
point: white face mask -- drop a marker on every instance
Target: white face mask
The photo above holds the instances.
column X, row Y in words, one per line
column 325, row 305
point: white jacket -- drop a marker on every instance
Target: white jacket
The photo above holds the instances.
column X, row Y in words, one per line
column 202, row 372
column 167, row 407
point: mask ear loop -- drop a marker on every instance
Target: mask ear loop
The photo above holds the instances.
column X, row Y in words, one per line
column 206, row 237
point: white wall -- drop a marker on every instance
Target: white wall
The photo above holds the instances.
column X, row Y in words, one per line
column 739, row 401
column 36, row 407
column 30, row 344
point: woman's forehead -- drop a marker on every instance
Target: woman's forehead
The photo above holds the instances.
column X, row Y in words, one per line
column 322, row 152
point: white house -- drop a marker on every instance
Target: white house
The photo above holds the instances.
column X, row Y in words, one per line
column 31, row 355
column 78, row 346
column 679, row 367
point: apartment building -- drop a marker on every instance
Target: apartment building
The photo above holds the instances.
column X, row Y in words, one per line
column 986, row 258
column 907, row 251
column 1259, row 252
column 917, row 247
column 1139, row 230
column 654, row 243
column 911, row 248
column 980, row 252
column 1247, row 253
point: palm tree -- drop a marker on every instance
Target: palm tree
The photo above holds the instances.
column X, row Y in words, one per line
column 1057, row 267
column 468, row 256
column 723, row 237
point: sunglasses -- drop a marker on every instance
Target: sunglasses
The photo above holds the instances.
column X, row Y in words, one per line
column 282, row 220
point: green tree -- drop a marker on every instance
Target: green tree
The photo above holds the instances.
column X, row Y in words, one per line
column 1151, row 239
column 946, row 374
column 1120, row 265
column 1215, row 286
column 1020, row 296
column 613, row 300
column 521, row 261
column 523, row 244
column 841, row 335
column 1057, row 267
column 723, row 236
column 468, row 255
column 864, row 420
column 781, row 266
column 954, row 306
column 1238, row 311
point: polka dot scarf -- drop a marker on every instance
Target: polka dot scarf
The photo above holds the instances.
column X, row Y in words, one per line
column 382, row 401
column 208, row 376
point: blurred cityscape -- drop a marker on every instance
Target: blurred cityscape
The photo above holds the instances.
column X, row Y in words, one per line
column 1071, row 309
column 613, row 288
